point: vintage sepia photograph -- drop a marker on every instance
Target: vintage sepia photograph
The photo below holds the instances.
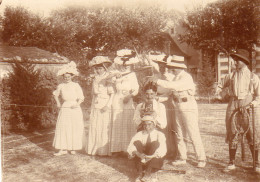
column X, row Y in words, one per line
column 130, row 91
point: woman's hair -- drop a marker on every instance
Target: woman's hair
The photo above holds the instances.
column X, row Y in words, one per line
column 150, row 86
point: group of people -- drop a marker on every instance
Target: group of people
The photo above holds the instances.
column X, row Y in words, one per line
column 155, row 127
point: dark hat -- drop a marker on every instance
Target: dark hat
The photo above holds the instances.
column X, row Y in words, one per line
column 242, row 54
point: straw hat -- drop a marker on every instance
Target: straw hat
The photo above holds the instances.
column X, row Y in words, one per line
column 176, row 62
column 158, row 58
column 100, row 60
column 126, row 57
column 149, row 118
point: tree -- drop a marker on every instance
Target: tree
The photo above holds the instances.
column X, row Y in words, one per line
column 80, row 33
column 223, row 26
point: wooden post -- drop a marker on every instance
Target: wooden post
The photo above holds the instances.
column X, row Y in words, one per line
column 257, row 66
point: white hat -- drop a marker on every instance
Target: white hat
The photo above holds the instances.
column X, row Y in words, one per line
column 158, row 58
column 99, row 60
column 126, row 53
column 149, row 118
column 71, row 68
column 119, row 61
column 176, row 61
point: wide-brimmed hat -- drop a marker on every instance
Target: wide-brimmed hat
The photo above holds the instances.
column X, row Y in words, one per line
column 126, row 57
column 100, row 60
column 158, row 57
column 176, row 62
column 242, row 54
column 70, row 68
column 149, row 118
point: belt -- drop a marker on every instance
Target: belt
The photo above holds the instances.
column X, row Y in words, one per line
column 234, row 98
column 183, row 99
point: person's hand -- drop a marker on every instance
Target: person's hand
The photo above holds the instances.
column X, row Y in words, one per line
column 127, row 99
column 58, row 105
column 74, row 106
column 152, row 80
column 104, row 109
column 118, row 75
column 254, row 103
column 130, row 156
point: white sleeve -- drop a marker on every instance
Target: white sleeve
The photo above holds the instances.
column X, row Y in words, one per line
column 134, row 84
column 162, row 149
column 137, row 117
column 131, row 147
column 184, row 83
column 161, row 117
column 79, row 92
column 57, row 91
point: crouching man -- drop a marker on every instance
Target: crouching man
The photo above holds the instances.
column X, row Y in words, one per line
column 147, row 148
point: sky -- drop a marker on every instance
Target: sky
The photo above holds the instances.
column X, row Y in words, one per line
column 44, row 7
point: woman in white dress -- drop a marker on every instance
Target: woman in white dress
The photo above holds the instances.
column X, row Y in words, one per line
column 126, row 85
column 100, row 118
column 69, row 126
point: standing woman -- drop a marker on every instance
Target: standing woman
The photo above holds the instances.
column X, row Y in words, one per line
column 100, row 117
column 69, row 127
column 126, row 85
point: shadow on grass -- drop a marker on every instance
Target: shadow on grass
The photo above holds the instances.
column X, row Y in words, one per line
column 120, row 164
column 42, row 138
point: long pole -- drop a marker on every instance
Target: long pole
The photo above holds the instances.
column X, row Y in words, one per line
column 253, row 126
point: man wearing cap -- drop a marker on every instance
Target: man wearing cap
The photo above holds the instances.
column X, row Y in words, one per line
column 186, row 109
column 147, row 148
column 243, row 89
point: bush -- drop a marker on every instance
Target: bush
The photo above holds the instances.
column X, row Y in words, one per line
column 27, row 98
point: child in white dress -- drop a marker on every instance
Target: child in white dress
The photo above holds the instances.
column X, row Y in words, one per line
column 70, row 126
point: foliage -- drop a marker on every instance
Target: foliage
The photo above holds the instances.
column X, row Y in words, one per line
column 223, row 26
column 81, row 33
column 206, row 78
column 27, row 97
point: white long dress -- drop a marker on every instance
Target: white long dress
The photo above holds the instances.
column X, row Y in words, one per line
column 123, row 126
column 100, row 122
column 69, row 126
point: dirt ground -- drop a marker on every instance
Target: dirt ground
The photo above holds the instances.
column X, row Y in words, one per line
column 29, row 158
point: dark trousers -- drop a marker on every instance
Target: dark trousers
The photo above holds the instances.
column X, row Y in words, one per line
column 149, row 149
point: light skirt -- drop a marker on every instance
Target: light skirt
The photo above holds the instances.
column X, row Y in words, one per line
column 99, row 133
column 69, row 129
column 123, row 129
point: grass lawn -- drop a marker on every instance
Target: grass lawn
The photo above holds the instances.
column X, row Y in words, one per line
column 29, row 158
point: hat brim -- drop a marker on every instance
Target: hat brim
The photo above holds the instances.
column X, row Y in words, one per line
column 176, row 66
column 106, row 64
column 242, row 58
column 118, row 60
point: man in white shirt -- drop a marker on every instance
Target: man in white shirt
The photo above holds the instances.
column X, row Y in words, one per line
column 186, row 109
column 150, row 106
column 147, row 148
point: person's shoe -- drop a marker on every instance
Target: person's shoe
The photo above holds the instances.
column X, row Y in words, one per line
column 257, row 169
column 73, row 152
column 179, row 162
column 61, row 152
column 231, row 166
column 201, row 164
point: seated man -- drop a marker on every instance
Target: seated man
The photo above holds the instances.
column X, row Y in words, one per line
column 152, row 107
column 147, row 148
